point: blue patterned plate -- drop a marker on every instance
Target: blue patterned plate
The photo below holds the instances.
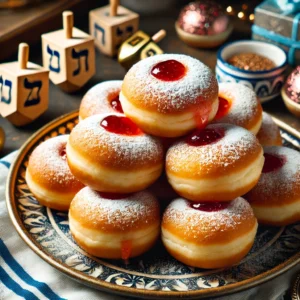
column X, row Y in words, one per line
column 155, row 274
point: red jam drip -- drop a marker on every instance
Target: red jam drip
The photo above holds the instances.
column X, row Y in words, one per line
column 224, row 106
column 205, row 137
column 120, row 125
column 272, row 163
column 169, row 70
column 113, row 196
column 63, row 153
column 209, row 206
column 116, row 104
column 126, row 248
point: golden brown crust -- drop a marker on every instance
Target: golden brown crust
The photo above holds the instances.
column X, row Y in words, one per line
column 50, row 170
column 246, row 110
column 97, row 100
column 114, row 151
column 214, row 160
column 269, row 134
column 87, row 210
column 195, row 89
column 266, row 140
column 225, row 234
column 279, row 187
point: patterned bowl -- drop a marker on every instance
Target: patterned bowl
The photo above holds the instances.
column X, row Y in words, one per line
column 266, row 84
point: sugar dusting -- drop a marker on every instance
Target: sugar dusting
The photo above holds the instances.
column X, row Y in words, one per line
column 236, row 144
column 116, row 149
column 46, row 159
column 283, row 182
column 191, row 221
column 245, row 104
column 128, row 212
column 269, row 130
column 199, row 84
column 96, row 100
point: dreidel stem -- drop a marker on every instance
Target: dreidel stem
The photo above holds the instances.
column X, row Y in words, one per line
column 114, row 7
column 158, row 36
column 23, row 55
column 68, row 23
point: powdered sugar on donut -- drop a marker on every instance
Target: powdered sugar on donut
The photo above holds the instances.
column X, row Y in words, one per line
column 115, row 149
column 236, row 144
column 244, row 107
column 128, row 212
column 46, row 160
column 269, row 130
column 283, row 183
column 191, row 221
column 97, row 99
column 198, row 85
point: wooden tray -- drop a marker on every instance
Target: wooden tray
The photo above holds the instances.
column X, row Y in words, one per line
column 155, row 274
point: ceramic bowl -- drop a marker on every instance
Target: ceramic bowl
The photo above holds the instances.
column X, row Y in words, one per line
column 266, row 84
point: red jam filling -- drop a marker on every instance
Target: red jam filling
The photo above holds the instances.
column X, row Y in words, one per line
column 116, row 104
column 126, row 249
column 63, row 153
column 272, row 163
column 209, row 206
column 205, row 137
column 224, row 106
column 113, row 196
column 169, row 70
column 120, row 125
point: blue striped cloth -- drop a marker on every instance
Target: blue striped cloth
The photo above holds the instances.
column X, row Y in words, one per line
column 23, row 274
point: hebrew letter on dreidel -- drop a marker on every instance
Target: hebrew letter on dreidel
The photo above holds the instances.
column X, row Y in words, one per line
column 77, row 55
column 119, row 31
column 129, row 29
column 99, row 28
column 53, row 53
column 31, row 86
column 7, row 83
column 151, row 52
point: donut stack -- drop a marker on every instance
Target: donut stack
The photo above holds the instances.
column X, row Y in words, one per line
column 170, row 113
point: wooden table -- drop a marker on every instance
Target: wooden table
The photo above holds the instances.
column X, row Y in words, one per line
column 108, row 69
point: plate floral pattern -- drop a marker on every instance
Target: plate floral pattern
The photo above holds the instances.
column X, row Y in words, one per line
column 155, row 273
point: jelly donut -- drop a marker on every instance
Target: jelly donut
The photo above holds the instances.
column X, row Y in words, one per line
column 269, row 134
column 48, row 175
column 114, row 225
column 209, row 235
column 239, row 105
column 109, row 153
column 169, row 94
column 100, row 99
column 276, row 198
column 218, row 163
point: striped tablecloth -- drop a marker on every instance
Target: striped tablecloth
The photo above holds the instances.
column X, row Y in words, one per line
column 23, row 274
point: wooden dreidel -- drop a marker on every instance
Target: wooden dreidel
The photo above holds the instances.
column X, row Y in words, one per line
column 140, row 46
column 111, row 25
column 24, row 89
column 69, row 54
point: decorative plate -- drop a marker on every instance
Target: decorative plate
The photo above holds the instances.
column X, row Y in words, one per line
column 155, row 274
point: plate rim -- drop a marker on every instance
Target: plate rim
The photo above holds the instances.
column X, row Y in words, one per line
column 110, row 287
